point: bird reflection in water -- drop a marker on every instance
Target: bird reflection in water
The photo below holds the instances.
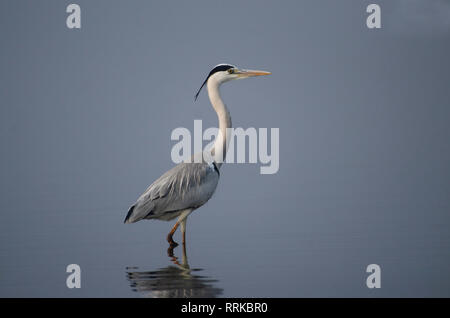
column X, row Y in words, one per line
column 174, row 281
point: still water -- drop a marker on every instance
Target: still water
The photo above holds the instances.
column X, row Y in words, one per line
column 177, row 280
column 228, row 253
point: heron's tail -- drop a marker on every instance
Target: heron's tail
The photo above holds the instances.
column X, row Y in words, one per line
column 130, row 212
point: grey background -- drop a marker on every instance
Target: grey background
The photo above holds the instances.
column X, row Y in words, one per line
column 85, row 123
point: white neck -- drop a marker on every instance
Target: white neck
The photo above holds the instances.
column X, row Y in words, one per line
column 220, row 147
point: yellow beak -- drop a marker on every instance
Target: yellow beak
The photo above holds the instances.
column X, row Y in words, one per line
column 251, row 73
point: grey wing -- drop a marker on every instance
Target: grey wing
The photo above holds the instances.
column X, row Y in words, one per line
column 187, row 185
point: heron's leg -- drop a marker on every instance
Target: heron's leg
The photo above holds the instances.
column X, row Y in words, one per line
column 183, row 230
column 181, row 220
column 169, row 236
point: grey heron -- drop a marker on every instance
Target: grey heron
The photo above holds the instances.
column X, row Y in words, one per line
column 189, row 185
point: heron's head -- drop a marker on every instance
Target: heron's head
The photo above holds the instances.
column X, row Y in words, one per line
column 226, row 72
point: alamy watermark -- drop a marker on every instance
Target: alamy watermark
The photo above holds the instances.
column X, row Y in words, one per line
column 374, row 279
column 242, row 146
column 74, row 279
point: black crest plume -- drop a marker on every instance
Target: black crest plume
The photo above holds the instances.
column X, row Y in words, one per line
column 218, row 68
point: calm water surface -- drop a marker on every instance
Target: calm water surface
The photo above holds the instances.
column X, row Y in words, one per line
column 229, row 253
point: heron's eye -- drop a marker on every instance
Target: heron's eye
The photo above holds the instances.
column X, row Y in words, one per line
column 230, row 71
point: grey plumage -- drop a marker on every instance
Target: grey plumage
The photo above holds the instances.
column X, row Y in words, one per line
column 185, row 186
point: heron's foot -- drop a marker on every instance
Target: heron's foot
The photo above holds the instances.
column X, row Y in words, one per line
column 172, row 243
column 170, row 252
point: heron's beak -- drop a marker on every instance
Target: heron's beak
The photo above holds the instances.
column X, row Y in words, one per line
column 251, row 73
